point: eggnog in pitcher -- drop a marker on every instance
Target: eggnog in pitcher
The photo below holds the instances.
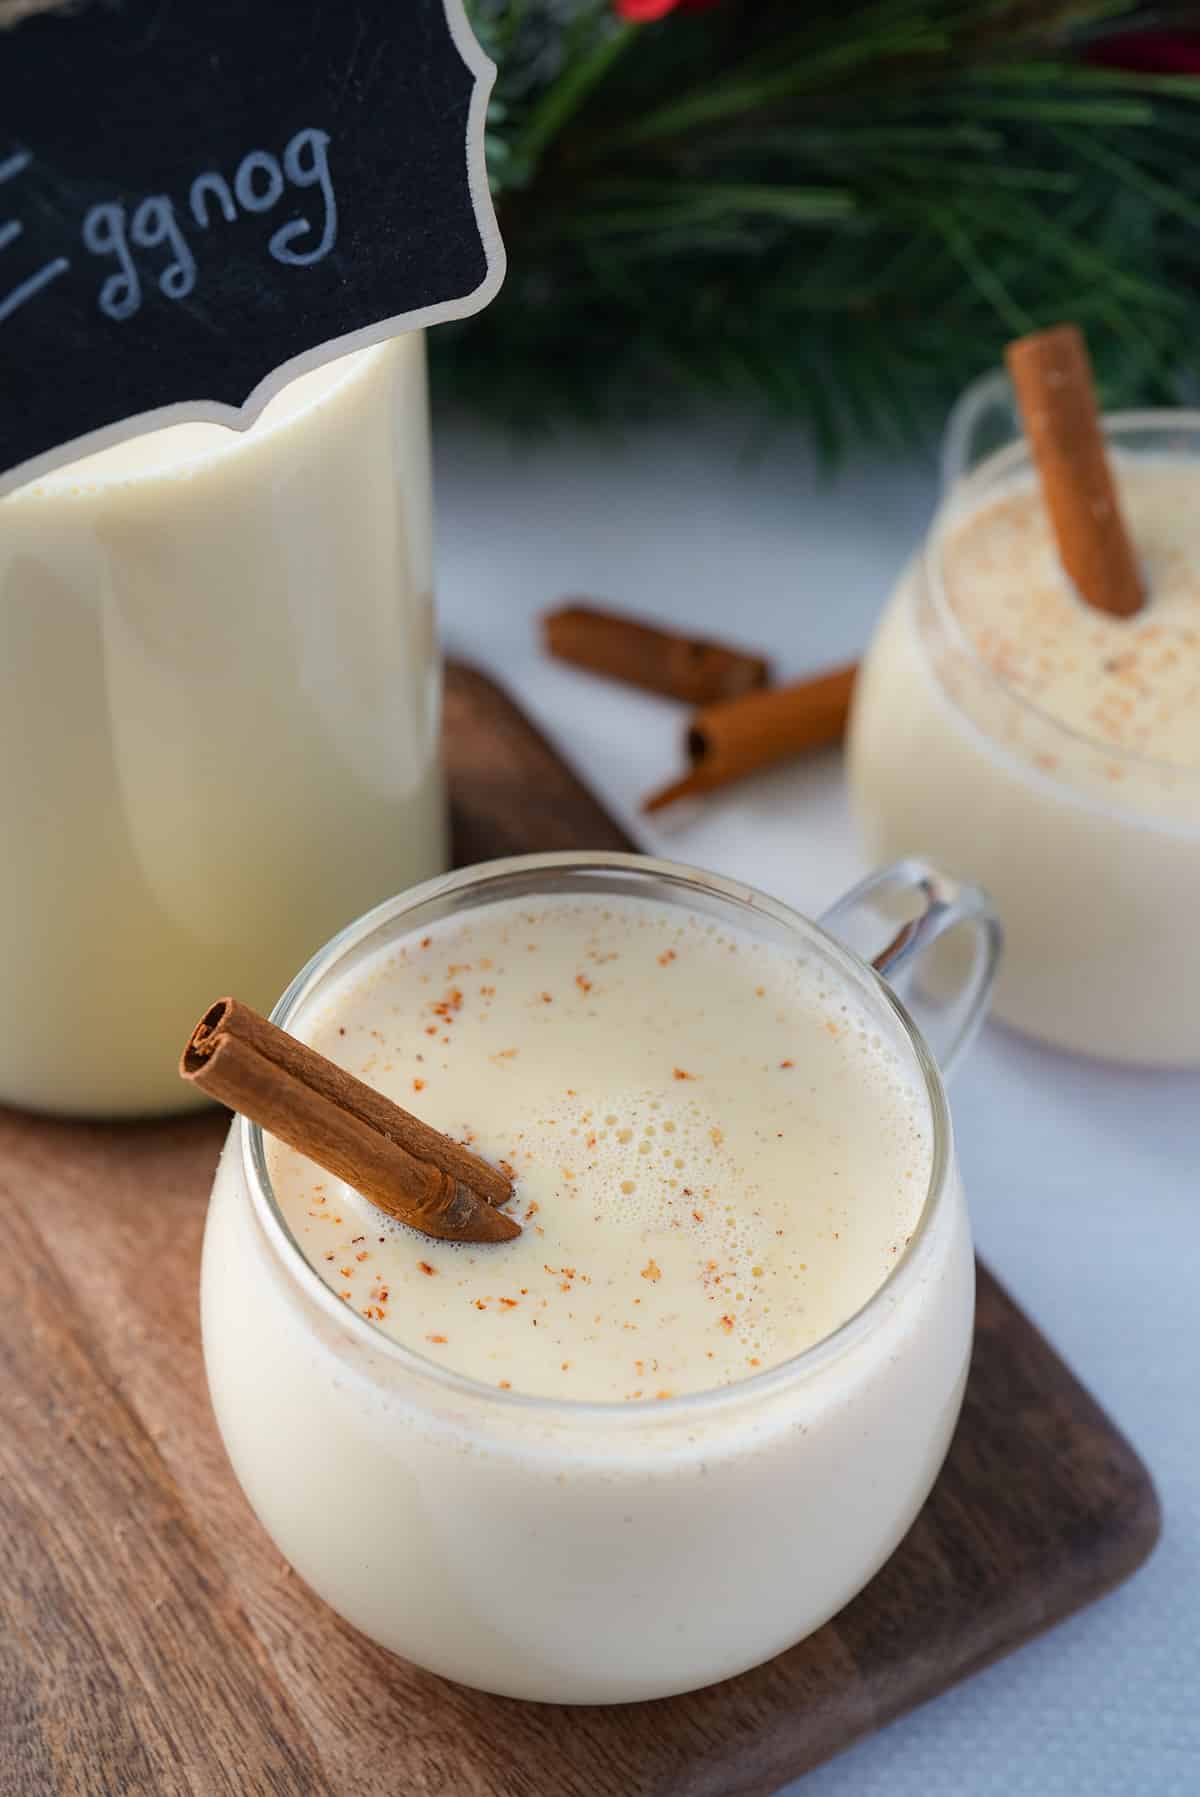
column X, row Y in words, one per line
column 218, row 721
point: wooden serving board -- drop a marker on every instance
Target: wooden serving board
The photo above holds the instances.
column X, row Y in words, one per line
column 152, row 1641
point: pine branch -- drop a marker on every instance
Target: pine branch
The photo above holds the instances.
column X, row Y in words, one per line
column 840, row 220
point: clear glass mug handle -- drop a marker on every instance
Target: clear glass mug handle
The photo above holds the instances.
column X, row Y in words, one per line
column 894, row 918
column 982, row 419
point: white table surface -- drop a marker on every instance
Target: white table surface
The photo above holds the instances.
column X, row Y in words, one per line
column 1083, row 1179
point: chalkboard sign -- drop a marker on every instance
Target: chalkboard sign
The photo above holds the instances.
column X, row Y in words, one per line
column 201, row 198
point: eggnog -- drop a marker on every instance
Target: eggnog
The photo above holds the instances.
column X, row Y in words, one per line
column 682, row 1418
column 1052, row 752
column 717, row 1156
column 218, row 720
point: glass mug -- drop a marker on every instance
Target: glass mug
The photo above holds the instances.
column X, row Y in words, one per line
column 219, row 696
column 1091, row 852
column 599, row 1552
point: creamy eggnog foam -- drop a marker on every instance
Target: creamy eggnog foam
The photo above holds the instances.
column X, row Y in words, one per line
column 1132, row 684
column 1052, row 753
column 218, row 721
column 718, row 1159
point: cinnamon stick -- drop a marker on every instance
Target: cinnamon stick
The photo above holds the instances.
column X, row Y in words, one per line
column 393, row 1158
column 726, row 742
column 694, row 669
column 1052, row 375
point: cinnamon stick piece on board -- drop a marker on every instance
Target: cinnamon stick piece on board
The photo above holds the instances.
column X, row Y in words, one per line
column 1052, row 375
column 401, row 1164
column 693, row 669
column 726, row 742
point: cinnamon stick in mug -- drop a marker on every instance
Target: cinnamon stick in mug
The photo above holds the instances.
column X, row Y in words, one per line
column 693, row 669
column 726, row 742
column 411, row 1171
column 1052, row 375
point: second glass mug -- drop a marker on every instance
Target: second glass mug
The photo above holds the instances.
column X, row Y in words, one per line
column 1092, row 852
column 595, row 1552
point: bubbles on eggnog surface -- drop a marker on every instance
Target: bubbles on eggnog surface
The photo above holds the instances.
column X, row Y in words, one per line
column 717, row 1151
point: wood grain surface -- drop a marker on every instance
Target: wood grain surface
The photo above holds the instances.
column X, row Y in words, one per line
column 151, row 1640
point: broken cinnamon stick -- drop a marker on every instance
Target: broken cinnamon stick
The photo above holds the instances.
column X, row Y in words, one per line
column 400, row 1163
column 1052, row 375
column 693, row 669
column 726, row 742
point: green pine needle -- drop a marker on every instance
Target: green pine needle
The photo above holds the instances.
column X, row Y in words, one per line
column 841, row 222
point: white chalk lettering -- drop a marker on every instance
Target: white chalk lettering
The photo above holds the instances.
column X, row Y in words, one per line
column 104, row 234
column 258, row 162
column 113, row 230
column 48, row 272
column 152, row 225
column 306, row 164
column 216, row 185
column 10, row 230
